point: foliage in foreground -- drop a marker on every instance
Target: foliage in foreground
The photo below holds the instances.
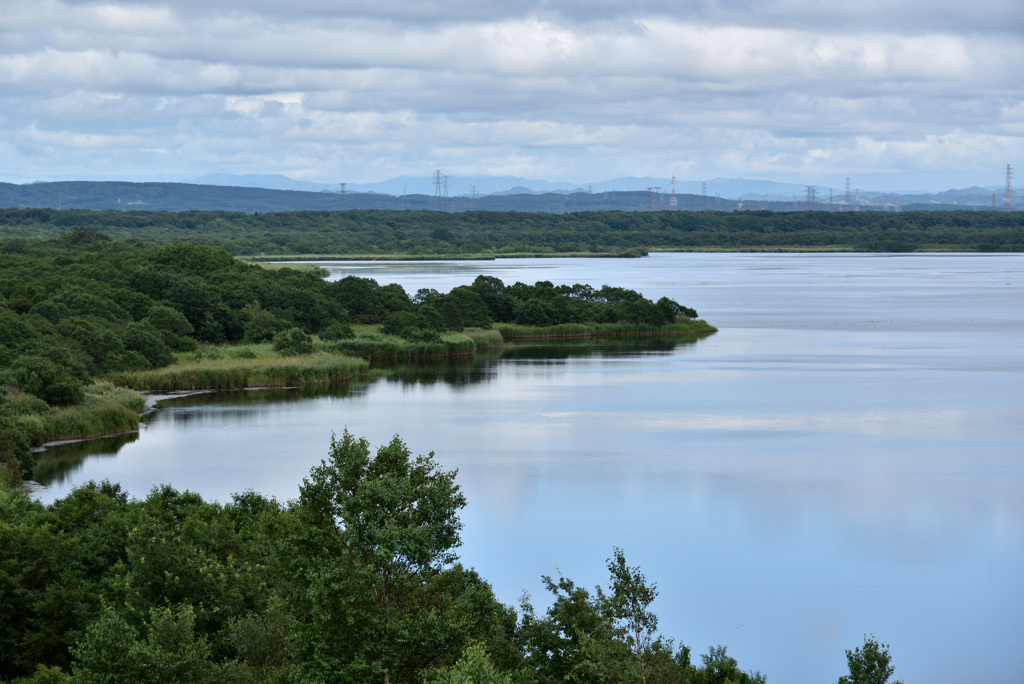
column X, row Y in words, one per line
column 356, row 581
column 869, row 664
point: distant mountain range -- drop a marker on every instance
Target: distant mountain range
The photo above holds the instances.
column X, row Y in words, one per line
column 260, row 193
column 725, row 188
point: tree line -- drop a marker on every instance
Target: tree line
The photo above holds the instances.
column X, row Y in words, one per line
column 497, row 233
column 357, row 580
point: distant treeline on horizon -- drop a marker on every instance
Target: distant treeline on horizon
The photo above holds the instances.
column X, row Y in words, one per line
column 483, row 234
column 128, row 196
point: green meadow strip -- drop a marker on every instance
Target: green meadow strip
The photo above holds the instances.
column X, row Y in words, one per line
column 238, row 373
column 380, row 347
column 106, row 410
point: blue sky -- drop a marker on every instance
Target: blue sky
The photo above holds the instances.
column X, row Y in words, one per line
column 894, row 95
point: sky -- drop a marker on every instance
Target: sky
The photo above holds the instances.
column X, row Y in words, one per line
column 893, row 94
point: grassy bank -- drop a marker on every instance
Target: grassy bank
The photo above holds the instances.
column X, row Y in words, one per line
column 245, row 366
column 106, row 410
column 376, row 346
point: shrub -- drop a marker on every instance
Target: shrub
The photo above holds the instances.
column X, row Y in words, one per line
column 293, row 342
column 337, row 330
column 147, row 341
column 55, row 384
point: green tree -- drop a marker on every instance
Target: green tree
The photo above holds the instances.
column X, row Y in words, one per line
column 113, row 652
column 148, row 341
column 293, row 342
column 474, row 667
column 15, row 443
column 54, row 383
column 721, row 668
column 168, row 320
column 374, row 534
column 630, row 599
column 869, row 664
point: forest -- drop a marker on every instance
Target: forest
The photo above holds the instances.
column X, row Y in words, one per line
column 489, row 234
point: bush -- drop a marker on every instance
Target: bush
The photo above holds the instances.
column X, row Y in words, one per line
column 53, row 383
column 147, row 341
column 15, row 455
column 170, row 320
column 409, row 326
column 293, row 342
column 337, row 331
column 261, row 326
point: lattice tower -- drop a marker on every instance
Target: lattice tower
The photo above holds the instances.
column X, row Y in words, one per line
column 1008, row 194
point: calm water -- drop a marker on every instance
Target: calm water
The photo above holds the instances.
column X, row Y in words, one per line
column 846, row 456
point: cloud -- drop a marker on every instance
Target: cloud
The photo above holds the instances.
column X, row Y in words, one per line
column 789, row 89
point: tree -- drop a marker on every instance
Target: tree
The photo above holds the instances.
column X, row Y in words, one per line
column 721, row 668
column 463, row 308
column 54, row 383
column 629, row 601
column 293, row 342
column 869, row 664
column 474, row 667
column 373, row 535
column 112, row 650
column 147, row 341
column 605, row 636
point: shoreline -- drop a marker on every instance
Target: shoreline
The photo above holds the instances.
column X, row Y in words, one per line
column 154, row 396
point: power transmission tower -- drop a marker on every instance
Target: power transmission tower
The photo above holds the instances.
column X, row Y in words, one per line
column 812, row 197
column 848, row 199
column 344, row 198
column 438, row 199
column 1008, row 194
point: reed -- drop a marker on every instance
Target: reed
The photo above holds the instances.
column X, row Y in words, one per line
column 232, row 372
column 106, row 410
column 379, row 347
column 484, row 339
column 128, row 398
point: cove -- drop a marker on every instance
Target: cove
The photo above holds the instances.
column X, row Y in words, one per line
column 846, row 456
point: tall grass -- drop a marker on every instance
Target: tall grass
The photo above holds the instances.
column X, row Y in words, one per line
column 233, row 372
column 379, row 347
column 484, row 339
column 106, row 410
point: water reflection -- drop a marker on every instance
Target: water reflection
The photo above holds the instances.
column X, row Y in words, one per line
column 248, row 408
column 54, row 466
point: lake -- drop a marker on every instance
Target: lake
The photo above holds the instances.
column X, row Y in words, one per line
column 845, row 457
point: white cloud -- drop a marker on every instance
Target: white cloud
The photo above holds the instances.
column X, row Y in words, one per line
column 789, row 89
